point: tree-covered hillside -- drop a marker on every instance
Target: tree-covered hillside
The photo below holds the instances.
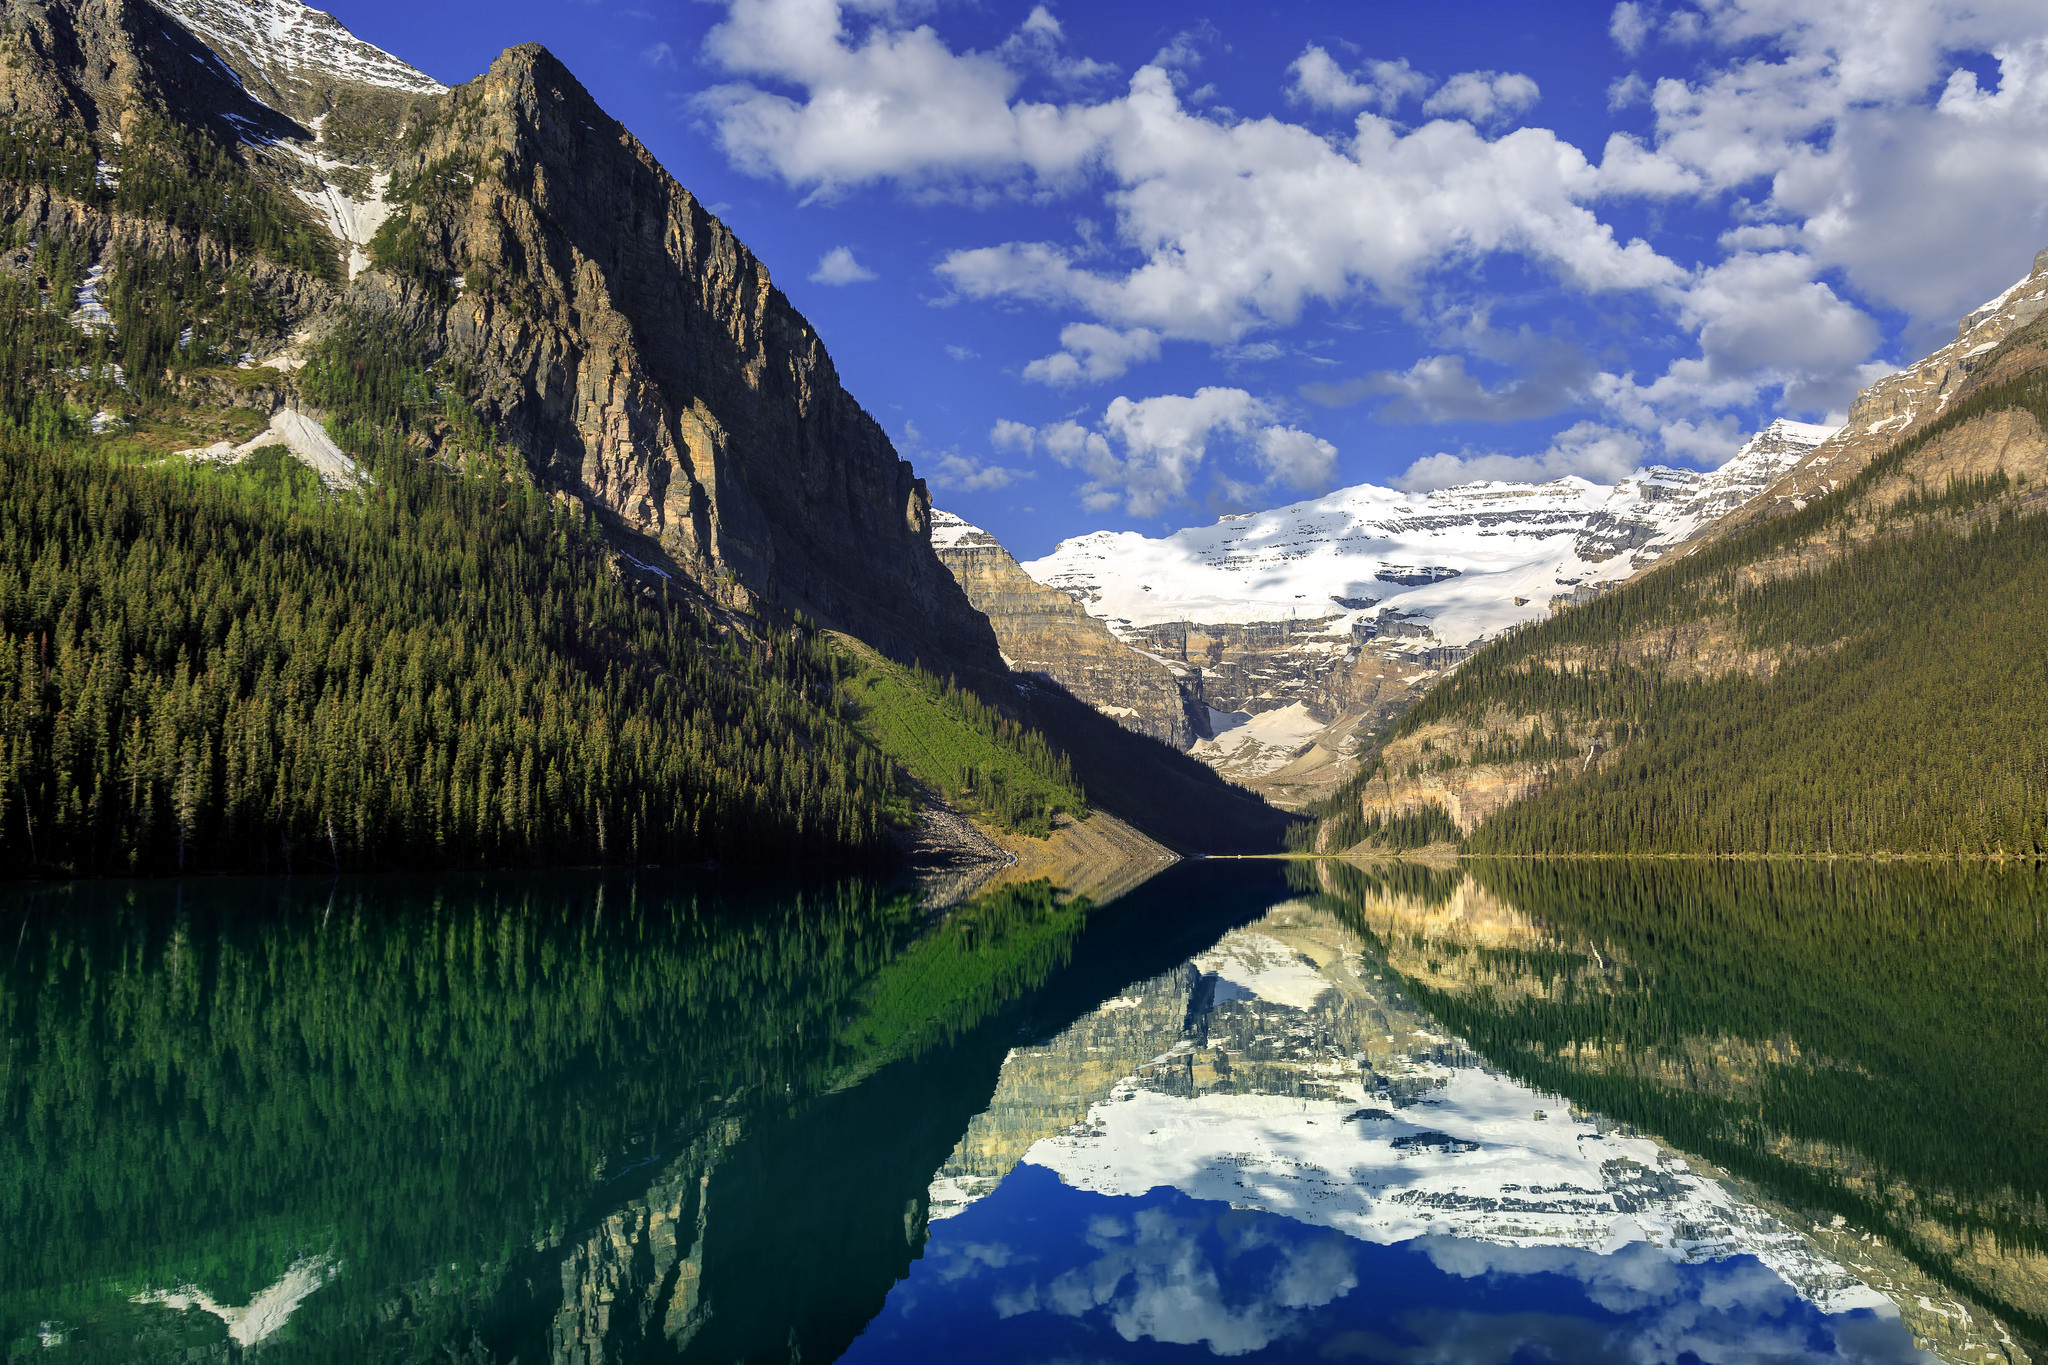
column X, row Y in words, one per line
column 1867, row 674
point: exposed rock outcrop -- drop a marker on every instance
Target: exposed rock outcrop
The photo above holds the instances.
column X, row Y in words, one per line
column 1043, row 630
column 645, row 361
column 1993, row 342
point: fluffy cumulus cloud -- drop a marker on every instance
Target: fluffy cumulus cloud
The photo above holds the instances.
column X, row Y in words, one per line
column 1483, row 96
column 1093, row 354
column 1238, row 226
column 1234, row 224
column 1589, row 450
column 1383, row 85
column 838, row 266
column 1146, row 455
column 881, row 101
column 1856, row 130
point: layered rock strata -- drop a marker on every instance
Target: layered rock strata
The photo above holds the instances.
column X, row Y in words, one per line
column 1043, row 630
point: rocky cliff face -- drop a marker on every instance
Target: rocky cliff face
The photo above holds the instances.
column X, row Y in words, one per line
column 650, row 364
column 626, row 342
column 1043, row 630
column 644, row 360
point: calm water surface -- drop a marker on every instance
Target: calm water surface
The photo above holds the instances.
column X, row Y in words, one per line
column 1498, row 1113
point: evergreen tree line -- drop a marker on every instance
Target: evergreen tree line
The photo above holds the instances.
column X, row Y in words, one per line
column 965, row 748
column 1909, row 715
column 208, row 671
column 1350, row 826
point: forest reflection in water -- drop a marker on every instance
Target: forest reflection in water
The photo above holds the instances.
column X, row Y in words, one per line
column 588, row 1118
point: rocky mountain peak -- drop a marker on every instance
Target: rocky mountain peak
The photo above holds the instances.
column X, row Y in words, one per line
column 290, row 55
column 644, row 360
column 1902, row 402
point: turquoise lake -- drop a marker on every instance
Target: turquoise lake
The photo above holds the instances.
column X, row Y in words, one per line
column 1490, row 1112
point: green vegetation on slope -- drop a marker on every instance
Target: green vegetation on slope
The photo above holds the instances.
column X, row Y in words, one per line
column 1347, row 827
column 1910, row 714
column 208, row 672
column 972, row 755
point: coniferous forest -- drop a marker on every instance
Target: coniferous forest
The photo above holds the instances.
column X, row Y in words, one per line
column 1907, row 710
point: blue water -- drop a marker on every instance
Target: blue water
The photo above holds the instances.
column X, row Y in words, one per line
column 1038, row 1271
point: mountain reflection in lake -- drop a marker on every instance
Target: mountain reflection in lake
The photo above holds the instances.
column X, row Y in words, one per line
column 1497, row 1113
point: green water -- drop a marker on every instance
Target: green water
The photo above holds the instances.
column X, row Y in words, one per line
column 584, row 1117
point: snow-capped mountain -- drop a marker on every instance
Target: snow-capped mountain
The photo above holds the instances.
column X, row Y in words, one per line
column 1461, row 563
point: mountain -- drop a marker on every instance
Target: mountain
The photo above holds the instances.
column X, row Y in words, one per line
column 1045, row 631
column 1287, row 633
column 406, row 356
column 1849, row 663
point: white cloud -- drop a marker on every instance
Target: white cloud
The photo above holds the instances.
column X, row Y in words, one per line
column 1628, row 26
column 1237, row 223
column 1318, row 80
column 661, row 54
column 837, row 266
column 1483, row 96
column 1589, row 450
column 953, row 470
column 1296, row 458
column 1038, row 44
column 1242, row 224
column 1092, row 353
column 1836, row 129
column 896, row 103
column 1146, row 454
column 1626, row 91
column 1628, row 167
column 1009, row 435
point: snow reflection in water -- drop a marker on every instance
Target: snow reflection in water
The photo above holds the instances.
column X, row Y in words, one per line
column 1269, row 1150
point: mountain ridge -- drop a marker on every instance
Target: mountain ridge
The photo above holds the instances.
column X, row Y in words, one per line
column 1842, row 667
column 1290, row 632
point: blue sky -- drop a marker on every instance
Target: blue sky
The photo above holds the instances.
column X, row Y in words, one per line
column 1134, row 265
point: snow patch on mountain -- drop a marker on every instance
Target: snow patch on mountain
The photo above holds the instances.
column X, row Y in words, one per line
column 1246, row 745
column 285, row 34
column 1454, row 566
column 949, row 530
column 354, row 221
